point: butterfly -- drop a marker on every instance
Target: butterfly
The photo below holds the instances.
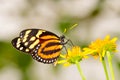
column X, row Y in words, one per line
column 44, row 46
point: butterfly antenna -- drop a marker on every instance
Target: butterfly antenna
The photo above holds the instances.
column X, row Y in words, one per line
column 73, row 26
column 65, row 30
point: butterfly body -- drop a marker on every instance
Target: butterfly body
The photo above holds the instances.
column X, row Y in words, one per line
column 44, row 46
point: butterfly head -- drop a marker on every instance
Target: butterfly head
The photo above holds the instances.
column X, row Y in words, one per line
column 62, row 39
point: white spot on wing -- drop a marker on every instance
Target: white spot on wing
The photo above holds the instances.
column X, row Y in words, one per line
column 41, row 59
column 26, row 43
column 18, row 45
column 27, row 50
column 49, row 61
column 21, row 48
column 52, row 61
column 35, row 51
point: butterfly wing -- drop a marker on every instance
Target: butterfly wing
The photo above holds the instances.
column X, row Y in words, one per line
column 49, row 48
column 44, row 46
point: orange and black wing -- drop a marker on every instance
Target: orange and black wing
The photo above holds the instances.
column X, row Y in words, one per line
column 44, row 46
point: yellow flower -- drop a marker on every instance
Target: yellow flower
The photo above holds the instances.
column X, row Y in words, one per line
column 73, row 55
column 100, row 47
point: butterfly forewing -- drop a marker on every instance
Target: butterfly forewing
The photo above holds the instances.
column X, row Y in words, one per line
column 44, row 46
column 18, row 45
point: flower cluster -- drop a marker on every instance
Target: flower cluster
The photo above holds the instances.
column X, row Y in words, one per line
column 98, row 48
column 73, row 55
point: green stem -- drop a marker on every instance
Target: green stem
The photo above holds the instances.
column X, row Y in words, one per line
column 110, row 65
column 80, row 71
column 105, row 69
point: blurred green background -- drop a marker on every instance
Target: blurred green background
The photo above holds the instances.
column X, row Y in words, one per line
column 95, row 19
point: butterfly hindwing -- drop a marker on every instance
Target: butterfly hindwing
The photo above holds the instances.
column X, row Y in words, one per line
column 48, row 52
